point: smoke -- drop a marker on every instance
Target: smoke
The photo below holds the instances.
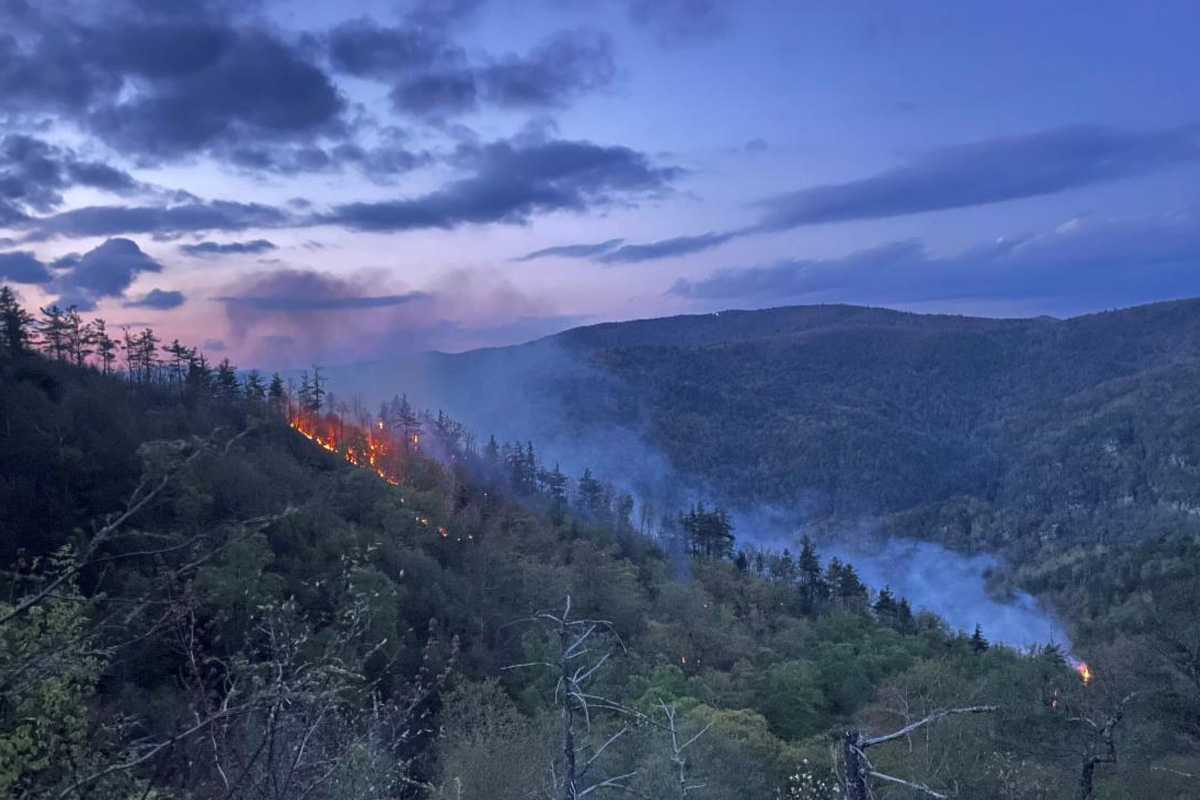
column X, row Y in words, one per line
column 964, row 590
column 956, row 588
column 579, row 416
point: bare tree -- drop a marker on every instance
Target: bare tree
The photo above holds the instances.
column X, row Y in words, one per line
column 857, row 768
column 1101, row 745
column 678, row 758
column 575, row 666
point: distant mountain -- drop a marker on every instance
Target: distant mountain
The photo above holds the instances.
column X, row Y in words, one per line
column 967, row 430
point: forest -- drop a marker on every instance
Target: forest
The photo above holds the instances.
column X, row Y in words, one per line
column 220, row 584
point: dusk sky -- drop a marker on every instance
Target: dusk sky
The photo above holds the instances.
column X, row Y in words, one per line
column 286, row 182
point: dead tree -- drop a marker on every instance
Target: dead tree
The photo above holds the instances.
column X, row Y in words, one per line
column 1103, row 748
column 857, row 768
column 677, row 756
column 574, row 668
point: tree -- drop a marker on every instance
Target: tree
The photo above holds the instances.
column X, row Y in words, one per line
column 857, row 768
column 277, row 396
column 226, row 384
column 813, row 588
column 53, row 330
column 978, row 643
column 106, row 346
column 317, row 391
column 181, row 359
column 16, row 324
column 254, row 388
column 77, row 337
column 574, row 672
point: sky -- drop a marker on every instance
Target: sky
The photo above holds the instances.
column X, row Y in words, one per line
column 287, row 183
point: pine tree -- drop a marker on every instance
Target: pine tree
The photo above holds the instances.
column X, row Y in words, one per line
column 885, row 605
column 181, row 358
column 226, row 385
column 317, row 392
column 277, row 395
column 76, row 335
column 106, row 346
column 254, row 388
column 813, row 588
column 16, row 324
column 53, row 330
column 978, row 643
column 304, row 395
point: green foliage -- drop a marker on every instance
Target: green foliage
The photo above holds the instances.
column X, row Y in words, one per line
column 362, row 630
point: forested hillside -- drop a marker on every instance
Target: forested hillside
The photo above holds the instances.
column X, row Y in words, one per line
column 983, row 434
column 216, row 586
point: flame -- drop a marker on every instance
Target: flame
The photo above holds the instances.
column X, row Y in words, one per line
column 365, row 448
column 1085, row 672
column 371, row 447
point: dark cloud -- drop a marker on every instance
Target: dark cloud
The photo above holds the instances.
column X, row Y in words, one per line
column 309, row 303
column 573, row 250
column 988, row 171
column 161, row 85
column 214, row 249
column 381, row 163
column 443, row 13
column 756, row 146
column 434, row 77
column 105, row 271
column 566, row 65
column 159, row 299
column 1109, row 262
column 217, row 215
column 666, row 248
column 34, row 173
column 23, row 267
column 45, row 73
column 681, row 21
column 309, row 307
column 514, row 180
column 251, row 86
column 438, row 93
column 363, row 48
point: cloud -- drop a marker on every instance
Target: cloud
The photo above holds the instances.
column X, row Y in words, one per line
column 1108, row 262
column 756, row 146
column 34, row 173
column 214, row 249
column 293, row 303
column 216, row 215
column 567, row 64
column 437, row 93
column 300, row 293
column 988, row 171
column 158, row 298
column 166, row 83
column 573, row 250
column 681, row 21
column 309, row 315
column 513, row 180
column 363, row 48
column 105, row 271
column 249, row 86
column 22, row 266
column 666, row 248
column 564, row 66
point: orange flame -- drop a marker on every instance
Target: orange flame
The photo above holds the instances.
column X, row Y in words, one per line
column 1085, row 672
column 371, row 449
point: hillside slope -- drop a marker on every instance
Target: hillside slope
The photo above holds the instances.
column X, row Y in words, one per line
column 840, row 412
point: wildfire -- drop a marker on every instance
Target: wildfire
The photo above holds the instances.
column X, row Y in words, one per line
column 371, row 447
column 368, row 448
column 1085, row 672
